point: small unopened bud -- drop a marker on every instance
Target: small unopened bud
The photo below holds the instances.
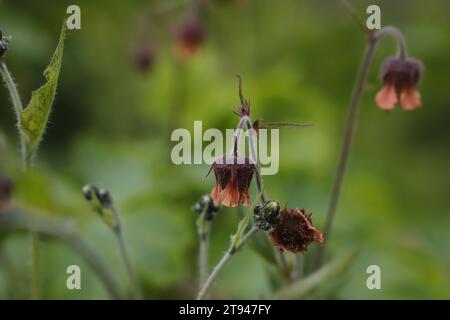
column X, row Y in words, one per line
column 4, row 44
column 267, row 214
column 206, row 203
column 105, row 198
column 102, row 203
column 87, row 192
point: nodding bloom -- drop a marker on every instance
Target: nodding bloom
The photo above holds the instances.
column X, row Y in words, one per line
column 190, row 36
column 400, row 77
column 233, row 177
column 295, row 231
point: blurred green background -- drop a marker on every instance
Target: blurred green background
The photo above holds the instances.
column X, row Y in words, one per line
column 112, row 120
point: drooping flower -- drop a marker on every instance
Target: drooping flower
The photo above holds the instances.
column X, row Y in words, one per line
column 400, row 77
column 233, row 177
column 295, row 231
column 189, row 38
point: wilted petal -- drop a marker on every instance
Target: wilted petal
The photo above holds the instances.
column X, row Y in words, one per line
column 386, row 98
column 294, row 232
column 410, row 99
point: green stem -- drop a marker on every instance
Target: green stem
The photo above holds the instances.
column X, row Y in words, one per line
column 18, row 109
column 35, row 271
column 298, row 271
column 12, row 88
column 26, row 160
column 118, row 231
column 203, row 230
column 345, row 150
column 223, row 261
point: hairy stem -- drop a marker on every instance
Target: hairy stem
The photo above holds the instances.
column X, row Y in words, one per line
column 358, row 89
column 12, row 88
column 223, row 261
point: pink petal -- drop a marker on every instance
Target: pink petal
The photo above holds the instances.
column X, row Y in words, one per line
column 386, row 98
column 410, row 99
column 229, row 197
column 215, row 194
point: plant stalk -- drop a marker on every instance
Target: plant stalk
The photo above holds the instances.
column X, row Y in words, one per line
column 358, row 89
column 118, row 231
column 26, row 161
column 203, row 230
column 345, row 149
column 223, row 261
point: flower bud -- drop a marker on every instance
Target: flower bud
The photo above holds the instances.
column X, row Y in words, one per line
column 267, row 214
column 4, row 43
column 205, row 201
column 102, row 203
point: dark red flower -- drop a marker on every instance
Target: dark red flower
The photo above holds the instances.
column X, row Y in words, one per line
column 400, row 77
column 295, row 231
column 190, row 36
column 233, row 178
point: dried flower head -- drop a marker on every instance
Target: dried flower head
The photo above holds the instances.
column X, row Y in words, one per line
column 233, row 177
column 206, row 203
column 295, row 231
column 400, row 77
column 189, row 38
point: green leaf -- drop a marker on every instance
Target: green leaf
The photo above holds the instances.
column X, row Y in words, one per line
column 318, row 280
column 34, row 118
column 242, row 226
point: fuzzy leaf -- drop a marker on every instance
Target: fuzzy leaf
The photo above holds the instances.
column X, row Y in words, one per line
column 305, row 287
column 35, row 116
